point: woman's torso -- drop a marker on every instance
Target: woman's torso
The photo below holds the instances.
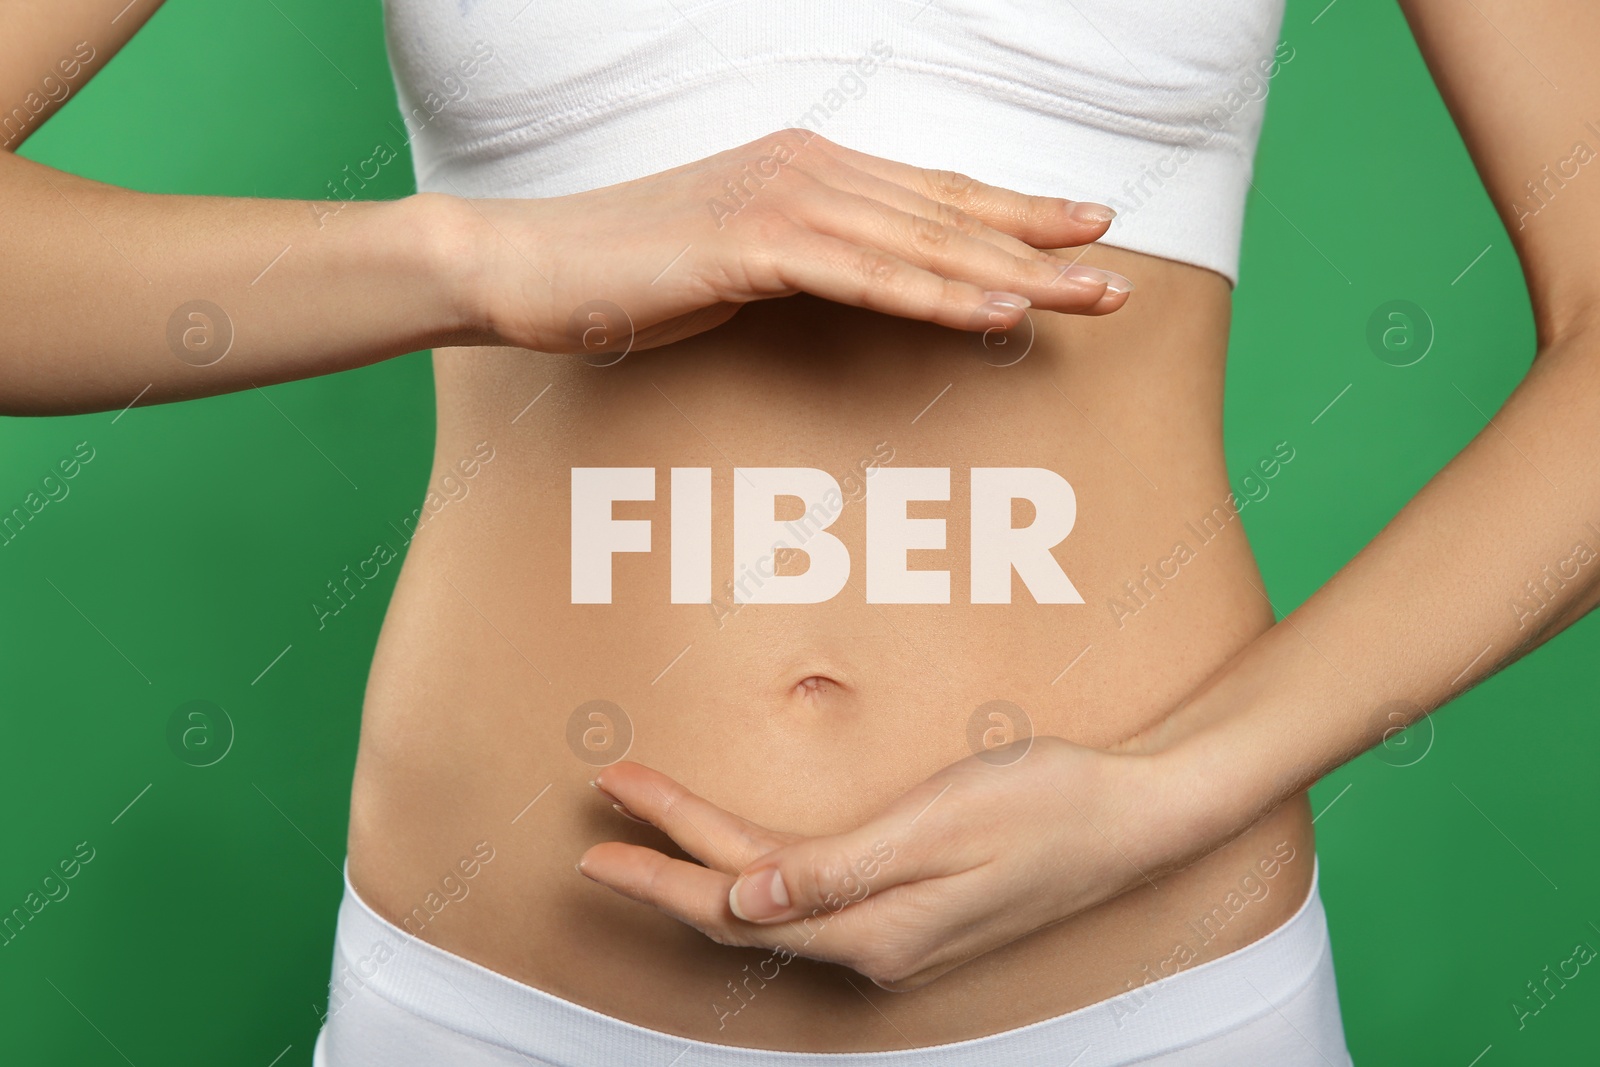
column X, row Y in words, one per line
column 470, row 803
column 470, row 746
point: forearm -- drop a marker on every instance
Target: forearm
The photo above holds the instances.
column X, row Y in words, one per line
column 1496, row 554
column 103, row 284
column 51, row 49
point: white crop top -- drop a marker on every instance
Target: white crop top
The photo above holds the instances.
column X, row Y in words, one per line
column 1151, row 106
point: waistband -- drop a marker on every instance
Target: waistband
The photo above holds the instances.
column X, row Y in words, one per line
column 1182, row 200
column 1190, row 1006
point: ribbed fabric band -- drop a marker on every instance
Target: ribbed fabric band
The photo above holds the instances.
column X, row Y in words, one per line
column 1154, row 108
column 497, row 1015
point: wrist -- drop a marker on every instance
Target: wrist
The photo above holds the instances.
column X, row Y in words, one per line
column 1225, row 770
column 1178, row 816
column 1208, row 782
column 450, row 234
column 1153, row 808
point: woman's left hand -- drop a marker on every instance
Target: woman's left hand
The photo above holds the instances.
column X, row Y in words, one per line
column 974, row 857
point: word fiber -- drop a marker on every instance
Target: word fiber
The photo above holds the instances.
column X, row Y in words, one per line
column 760, row 539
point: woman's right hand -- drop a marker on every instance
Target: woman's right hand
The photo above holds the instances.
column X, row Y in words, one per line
column 657, row 259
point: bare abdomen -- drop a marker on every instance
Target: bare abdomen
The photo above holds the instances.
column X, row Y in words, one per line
column 494, row 696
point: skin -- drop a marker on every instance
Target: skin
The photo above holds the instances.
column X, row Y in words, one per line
column 1293, row 704
column 1174, row 766
column 361, row 282
column 808, row 718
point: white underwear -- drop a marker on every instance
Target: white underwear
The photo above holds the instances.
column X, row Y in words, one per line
column 397, row 1001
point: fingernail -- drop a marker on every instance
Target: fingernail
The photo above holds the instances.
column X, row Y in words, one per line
column 760, row 896
column 1006, row 301
column 626, row 814
column 1087, row 275
column 1006, row 306
column 1116, row 283
column 1090, row 213
column 579, row 868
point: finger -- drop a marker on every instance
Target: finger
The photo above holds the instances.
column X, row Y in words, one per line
column 698, row 897
column 848, row 179
column 686, row 891
column 1118, row 286
column 872, row 278
column 710, row 834
column 1112, row 301
column 1044, row 279
column 1041, row 221
column 831, row 873
column 949, row 242
column 918, row 979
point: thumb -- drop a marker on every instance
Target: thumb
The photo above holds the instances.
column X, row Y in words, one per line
column 826, row 874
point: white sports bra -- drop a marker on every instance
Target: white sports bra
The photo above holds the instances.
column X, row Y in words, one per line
column 1153, row 107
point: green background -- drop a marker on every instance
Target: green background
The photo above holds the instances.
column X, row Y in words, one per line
column 183, row 561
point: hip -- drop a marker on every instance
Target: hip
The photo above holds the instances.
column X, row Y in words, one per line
column 396, row 1000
